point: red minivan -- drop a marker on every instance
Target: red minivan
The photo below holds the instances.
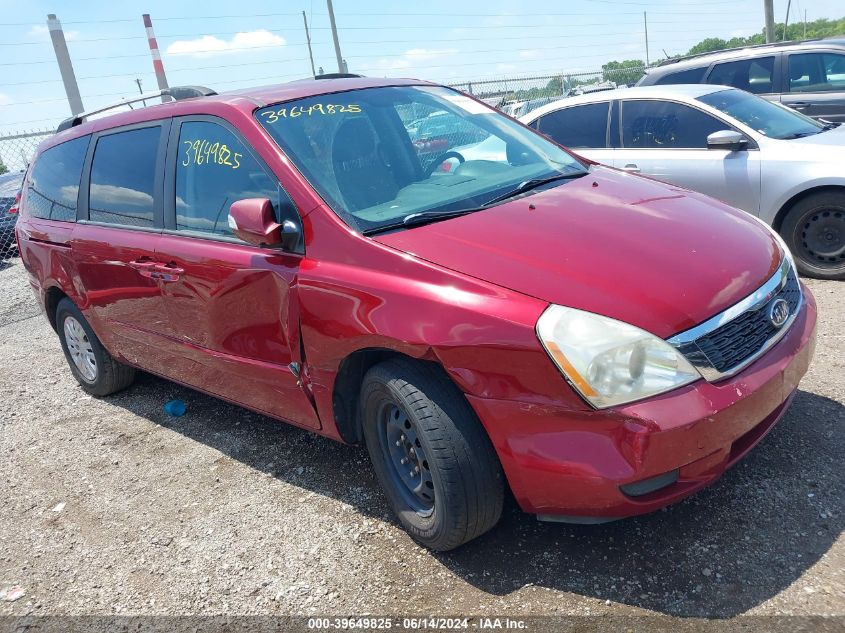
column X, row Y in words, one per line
column 501, row 313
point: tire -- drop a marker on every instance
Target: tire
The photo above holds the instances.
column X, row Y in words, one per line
column 443, row 440
column 97, row 372
column 814, row 230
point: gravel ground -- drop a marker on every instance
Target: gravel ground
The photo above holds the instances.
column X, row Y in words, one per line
column 112, row 507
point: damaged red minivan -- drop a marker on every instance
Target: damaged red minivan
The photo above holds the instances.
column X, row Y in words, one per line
column 393, row 263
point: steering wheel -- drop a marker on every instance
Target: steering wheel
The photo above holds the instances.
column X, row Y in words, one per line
column 442, row 157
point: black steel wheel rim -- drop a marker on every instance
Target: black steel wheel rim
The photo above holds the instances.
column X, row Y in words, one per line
column 405, row 459
column 822, row 237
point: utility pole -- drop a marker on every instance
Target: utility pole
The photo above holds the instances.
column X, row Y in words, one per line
column 645, row 23
column 140, row 90
column 334, row 36
column 65, row 65
column 308, row 38
column 786, row 21
column 770, row 20
column 805, row 24
column 158, row 66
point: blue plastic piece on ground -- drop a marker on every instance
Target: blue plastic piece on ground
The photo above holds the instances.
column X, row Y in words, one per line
column 175, row 408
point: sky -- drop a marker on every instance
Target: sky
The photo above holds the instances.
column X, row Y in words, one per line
column 226, row 45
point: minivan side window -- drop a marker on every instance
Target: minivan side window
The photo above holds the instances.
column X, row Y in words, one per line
column 666, row 125
column 54, row 184
column 689, row 76
column 578, row 126
column 123, row 178
column 751, row 75
column 214, row 169
column 816, row 72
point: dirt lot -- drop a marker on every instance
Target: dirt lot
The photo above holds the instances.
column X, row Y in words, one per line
column 110, row 506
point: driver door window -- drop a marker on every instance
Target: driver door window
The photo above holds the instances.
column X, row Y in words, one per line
column 213, row 170
column 666, row 125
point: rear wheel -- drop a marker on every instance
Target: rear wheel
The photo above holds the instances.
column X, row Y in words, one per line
column 430, row 453
column 814, row 229
column 92, row 366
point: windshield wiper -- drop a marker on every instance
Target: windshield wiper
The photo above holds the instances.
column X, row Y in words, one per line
column 421, row 217
column 533, row 183
column 426, row 217
column 791, row 137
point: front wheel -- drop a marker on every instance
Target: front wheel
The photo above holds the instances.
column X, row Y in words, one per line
column 814, row 230
column 430, row 453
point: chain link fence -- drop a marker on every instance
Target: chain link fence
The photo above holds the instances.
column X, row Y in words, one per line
column 517, row 96
column 16, row 150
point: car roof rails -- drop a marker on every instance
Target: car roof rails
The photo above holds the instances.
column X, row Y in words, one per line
column 338, row 76
column 683, row 58
column 178, row 93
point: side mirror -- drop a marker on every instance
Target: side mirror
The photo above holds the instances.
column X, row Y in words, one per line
column 728, row 140
column 252, row 220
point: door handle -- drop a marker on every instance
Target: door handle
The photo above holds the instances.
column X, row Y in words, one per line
column 799, row 105
column 167, row 272
column 144, row 266
column 631, row 167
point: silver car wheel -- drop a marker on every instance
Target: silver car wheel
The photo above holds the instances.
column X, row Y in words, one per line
column 80, row 349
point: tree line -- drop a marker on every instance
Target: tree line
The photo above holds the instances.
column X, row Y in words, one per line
column 629, row 71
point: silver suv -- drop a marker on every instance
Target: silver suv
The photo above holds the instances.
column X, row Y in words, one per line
column 763, row 158
column 807, row 76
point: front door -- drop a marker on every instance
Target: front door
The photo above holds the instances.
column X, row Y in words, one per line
column 668, row 141
column 232, row 306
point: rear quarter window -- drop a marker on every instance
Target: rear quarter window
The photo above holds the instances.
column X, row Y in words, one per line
column 583, row 126
column 54, row 184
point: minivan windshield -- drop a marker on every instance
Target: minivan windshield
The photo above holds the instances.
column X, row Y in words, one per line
column 767, row 118
column 381, row 155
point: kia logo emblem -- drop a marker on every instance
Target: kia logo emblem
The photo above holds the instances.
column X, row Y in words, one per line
column 778, row 312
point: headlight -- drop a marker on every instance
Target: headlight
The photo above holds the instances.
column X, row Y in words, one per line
column 610, row 362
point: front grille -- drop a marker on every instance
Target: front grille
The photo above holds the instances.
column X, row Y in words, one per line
column 721, row 350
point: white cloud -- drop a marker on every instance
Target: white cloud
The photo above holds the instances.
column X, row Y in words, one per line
column 121, row 196
column 413, row 56
column 531, row 54
column 5, row 99
column 209, row 45
column 41, row 32
column 507, row 67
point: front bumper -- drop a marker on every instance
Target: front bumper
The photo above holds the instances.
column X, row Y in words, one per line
column 570, row 465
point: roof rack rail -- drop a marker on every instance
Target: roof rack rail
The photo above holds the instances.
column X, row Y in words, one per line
column 338, row 76
column 178, row 93
column 683, row 58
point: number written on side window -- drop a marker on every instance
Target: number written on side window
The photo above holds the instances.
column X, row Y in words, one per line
column 123, row 178
column 666, row 125
column 54, row 184
column 214, row 170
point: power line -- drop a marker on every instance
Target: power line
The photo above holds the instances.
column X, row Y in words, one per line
column 353, row 14
column 379, row 55
column 328, row 28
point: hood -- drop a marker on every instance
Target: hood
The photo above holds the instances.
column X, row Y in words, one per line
column 653, row 255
